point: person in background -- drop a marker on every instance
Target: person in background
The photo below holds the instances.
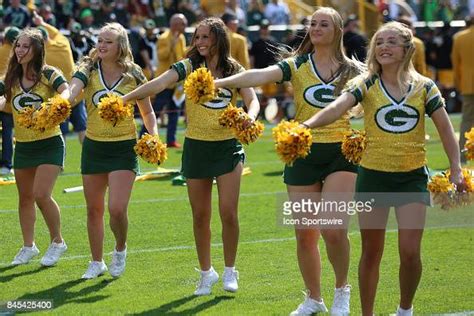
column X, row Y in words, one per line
column 16, row 14
column 171, row 48
column 355, row 43
column 255, row 12
column 277, row 12
column 11, row 34
column 463, row 67
column 238, row 43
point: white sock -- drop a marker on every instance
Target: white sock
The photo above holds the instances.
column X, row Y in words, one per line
column 229, row 269
column 407, row 311
column 207, row 272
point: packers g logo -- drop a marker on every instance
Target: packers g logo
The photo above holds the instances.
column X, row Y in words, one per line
column 102, row 93
column 397, row 118
column 26, row 100
column 224, row 96
column 319, row 95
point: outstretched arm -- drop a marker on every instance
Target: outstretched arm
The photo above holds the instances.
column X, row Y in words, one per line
column 446, row 133
column 251, row 78
column 332, row 112
column 152, row 87
column 148, row 115
column 64, row 91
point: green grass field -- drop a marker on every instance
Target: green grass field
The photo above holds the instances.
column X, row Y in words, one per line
column 160, row 276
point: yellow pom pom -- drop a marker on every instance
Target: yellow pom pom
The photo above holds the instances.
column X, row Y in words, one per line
column 151, row 149
column 469, row 146
column 353, row 145
column 27, row 117
column 445, row 194
column 292, row 141
column 199, row 86
column 113, row 110
column 235, row 118
column 52, row 113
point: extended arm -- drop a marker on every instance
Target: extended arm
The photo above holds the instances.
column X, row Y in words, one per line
column 332, row 112
column 251, row 78
column 152, row 87
column 251, row 101
column 148, row 115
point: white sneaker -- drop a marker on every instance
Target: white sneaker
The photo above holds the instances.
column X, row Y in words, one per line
column 118, row 262
column 25, row 254
column 310, row 307
column 207, row 280
column 95, row 269
column 340, row 305
column 4, row 171
column 53, row 253
column 404, row 312
column 229, row 278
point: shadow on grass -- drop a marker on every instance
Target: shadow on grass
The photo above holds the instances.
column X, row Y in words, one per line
column 62, row 294
column 273, row 173
column 9, row 277
column 167, row 308
column 6, row 268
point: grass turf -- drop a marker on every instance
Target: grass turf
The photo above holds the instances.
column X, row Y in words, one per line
column 160, row 278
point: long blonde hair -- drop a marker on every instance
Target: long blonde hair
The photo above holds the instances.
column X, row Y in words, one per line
column 348, row 67
column 406, row 72
column 125, row 57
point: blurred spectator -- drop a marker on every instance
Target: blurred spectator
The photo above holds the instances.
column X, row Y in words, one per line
column 213, row 7
column 232, row 7
column 80, row 41
column 355, row 43
column 295, row 41
column 238, row 43
column 87, row 19
column 47, row 14
column 263, row 52
column 148, row 51
column 16, row 14
column 255, row 12
column 430, row 9
column 121, row 13
column 463, row 66
column 106, row 14
column 11, row 33
column 65, row 9
column 171, row 47
column 444, row 45
column 418, row 59
column 277, row 13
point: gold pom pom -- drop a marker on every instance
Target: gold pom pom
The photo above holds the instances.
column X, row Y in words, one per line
column 469, row 146
column 235, row 118
column 353, row 145
column 151, row 149
column 27, row 117
column 113, row 110
column 52, row 113
column 445, row 194
column 292, row 141
column 199, row 86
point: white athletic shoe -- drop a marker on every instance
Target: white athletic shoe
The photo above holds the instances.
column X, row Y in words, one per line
column 95, row 269
column 207, row 280
column 309, row 307
column 117, row 267
column 229, row 280
column 404, row 312
column 25, row 254
column 340, row 305
column 53, row 253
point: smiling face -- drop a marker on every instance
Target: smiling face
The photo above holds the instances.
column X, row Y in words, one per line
column 389, row 48
column 204, row 40
column 321, row 30
column 107, row 45
column 24, row 50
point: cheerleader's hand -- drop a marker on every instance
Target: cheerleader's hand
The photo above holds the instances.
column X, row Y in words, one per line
column 3, row 103
column 457, row 179
column 248, row 122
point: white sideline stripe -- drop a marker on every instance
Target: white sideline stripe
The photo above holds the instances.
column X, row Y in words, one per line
column 218, row 245
column 153, row 200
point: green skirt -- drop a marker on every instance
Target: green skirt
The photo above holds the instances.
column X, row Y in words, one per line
column 105, row 157
column 324, row 159
column 49, row 151
column 393, row 188
column 208, row 159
